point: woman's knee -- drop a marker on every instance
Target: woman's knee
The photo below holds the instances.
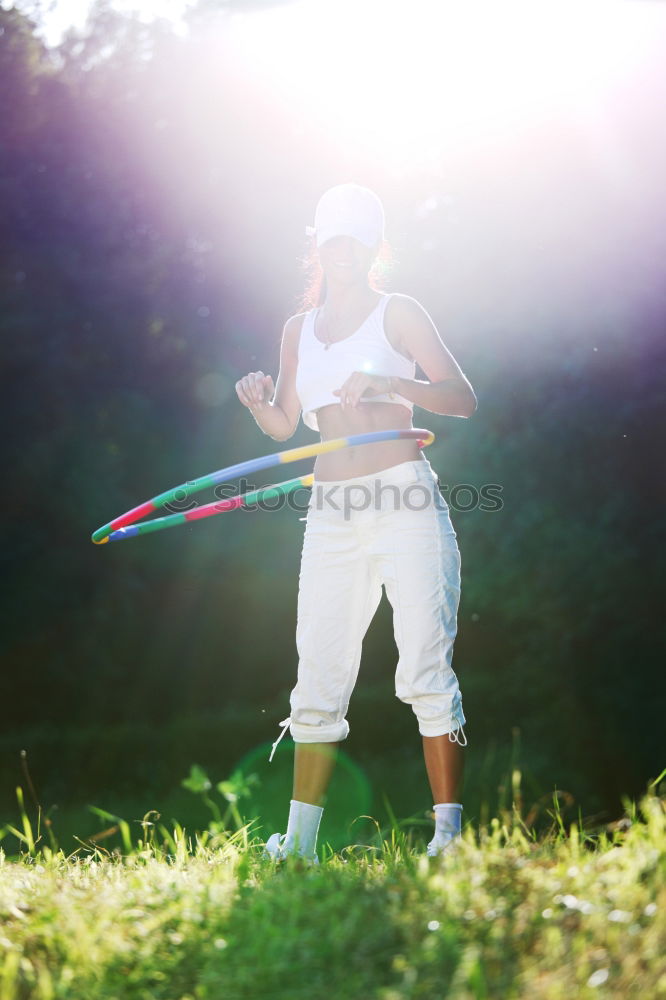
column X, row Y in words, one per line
column 437, row 713
column 308, row 727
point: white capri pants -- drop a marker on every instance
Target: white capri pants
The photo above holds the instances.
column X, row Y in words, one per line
column 391, row 528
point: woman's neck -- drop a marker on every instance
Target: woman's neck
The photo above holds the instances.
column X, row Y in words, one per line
column 342, row 300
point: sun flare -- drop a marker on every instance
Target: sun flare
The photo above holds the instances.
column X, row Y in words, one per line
column 405, row 82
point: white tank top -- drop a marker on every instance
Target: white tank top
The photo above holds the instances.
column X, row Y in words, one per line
column 321, row 370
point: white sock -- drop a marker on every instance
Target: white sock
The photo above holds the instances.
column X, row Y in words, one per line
column 303, row 827
column 448, row 820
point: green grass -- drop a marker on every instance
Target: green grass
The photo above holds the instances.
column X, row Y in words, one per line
column 127, row 771
column 152, row 912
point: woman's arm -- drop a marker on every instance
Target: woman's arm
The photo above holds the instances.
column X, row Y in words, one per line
column 448, row 392
column 277, row 417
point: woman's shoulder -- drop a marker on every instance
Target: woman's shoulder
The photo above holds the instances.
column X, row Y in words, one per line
column 402, row 310
column 295, row 322
column 404, row 305
column 405, row 321
column 291, row 333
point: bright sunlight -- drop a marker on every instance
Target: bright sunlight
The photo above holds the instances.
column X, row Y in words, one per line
column 406, row 82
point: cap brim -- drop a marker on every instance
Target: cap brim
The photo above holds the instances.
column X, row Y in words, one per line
column 368, row 237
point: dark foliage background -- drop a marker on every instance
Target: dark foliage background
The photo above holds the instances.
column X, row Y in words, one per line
column 149, row 258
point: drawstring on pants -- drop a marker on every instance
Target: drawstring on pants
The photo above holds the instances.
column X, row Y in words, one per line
column 456, row 731
column 285, row 724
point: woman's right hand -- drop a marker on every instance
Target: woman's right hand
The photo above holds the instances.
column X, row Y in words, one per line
column 255, row 389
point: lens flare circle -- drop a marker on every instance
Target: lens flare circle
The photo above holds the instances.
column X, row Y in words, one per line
column 349, row 798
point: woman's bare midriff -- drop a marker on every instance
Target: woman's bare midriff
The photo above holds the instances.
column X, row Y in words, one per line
column 363, row 460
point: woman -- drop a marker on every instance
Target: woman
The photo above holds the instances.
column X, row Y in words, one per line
column 375, row 517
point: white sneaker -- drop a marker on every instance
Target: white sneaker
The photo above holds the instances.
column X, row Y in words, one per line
column 276, row 850
column 435, row 849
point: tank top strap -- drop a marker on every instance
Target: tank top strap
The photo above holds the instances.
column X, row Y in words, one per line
column 382, row 307
column 382, row 328
column 308, row 328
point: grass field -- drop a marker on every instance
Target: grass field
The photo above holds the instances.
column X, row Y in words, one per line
column 172, row 915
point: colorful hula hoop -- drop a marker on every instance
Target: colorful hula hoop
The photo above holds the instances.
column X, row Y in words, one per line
column 208, row 510
column 125, row 526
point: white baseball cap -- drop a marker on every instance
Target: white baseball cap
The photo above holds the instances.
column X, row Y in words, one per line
column 349, row 210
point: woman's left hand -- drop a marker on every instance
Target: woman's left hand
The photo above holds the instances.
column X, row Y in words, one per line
column 362, row 384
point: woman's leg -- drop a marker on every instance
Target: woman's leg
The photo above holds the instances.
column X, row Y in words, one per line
column 420, row 567
column 313, row 767
column 444, row 761
column 338, row 596
column 419, row 564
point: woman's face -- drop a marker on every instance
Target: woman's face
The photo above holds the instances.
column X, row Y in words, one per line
column 345, row 260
